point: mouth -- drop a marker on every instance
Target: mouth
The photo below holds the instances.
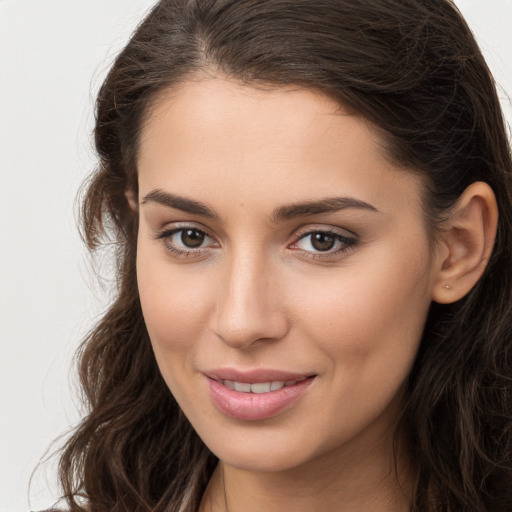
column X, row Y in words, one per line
column 258, row 395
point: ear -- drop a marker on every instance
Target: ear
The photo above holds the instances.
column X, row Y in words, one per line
column 133, row 202
column 465, row 243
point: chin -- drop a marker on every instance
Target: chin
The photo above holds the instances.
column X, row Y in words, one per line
column 259, row 451
column 261, row 461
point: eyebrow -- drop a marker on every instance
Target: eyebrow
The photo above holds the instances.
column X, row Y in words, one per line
column 327, row 205
column 283, row 213
column 179, row 203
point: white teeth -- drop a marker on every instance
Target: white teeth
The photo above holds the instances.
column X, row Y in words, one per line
column 260, row 387
column 243, row 386
column 257, row 387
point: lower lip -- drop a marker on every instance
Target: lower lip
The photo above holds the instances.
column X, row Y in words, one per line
column 256, row 406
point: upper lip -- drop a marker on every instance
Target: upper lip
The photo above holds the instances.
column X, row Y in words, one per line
column 256, row 375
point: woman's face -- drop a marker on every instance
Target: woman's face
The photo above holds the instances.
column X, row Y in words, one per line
column 282, row 255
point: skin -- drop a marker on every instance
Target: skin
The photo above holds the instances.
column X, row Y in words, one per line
column 256, row 293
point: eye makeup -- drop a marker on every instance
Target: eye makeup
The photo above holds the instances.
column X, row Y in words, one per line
column 315, row 242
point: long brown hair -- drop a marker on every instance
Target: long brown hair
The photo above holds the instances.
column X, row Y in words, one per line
column 413, row 69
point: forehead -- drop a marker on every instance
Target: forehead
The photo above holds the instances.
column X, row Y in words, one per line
column 218, row 137
column 223, row 103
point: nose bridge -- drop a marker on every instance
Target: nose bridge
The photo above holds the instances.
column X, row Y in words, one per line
column 248, row 306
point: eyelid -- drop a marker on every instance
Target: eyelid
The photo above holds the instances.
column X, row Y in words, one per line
column 348, row 239
column 165, row 234
column 323, row 228
column 173, row 227
column 183, row 224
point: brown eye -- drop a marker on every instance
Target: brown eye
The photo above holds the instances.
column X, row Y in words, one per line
column 192, row 238
column 325, row 243
column 187, row 242
column 322, row 241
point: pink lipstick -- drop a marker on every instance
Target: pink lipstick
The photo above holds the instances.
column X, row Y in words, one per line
column 258, row 394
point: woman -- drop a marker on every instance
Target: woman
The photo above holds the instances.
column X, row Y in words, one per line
column 314, row 307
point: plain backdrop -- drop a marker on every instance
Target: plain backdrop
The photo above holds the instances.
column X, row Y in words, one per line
column 53, row 57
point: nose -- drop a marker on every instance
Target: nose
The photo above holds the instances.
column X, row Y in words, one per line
column 249, row 307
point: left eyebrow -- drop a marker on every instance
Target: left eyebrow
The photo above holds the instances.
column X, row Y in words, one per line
column 327, row 205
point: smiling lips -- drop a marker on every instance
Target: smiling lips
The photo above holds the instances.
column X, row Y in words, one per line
column 255, row 396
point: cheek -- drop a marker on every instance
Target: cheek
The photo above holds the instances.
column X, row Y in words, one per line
column 370, row 317
column 174, row 303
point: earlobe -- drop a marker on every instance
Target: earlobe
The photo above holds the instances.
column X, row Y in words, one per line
column 466, row 243
column 131, row 197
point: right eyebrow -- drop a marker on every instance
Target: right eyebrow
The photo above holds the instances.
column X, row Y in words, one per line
column 179, row 203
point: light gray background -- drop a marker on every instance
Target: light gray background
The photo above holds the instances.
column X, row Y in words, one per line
column 53, row 56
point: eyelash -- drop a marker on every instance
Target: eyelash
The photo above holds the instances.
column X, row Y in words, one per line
column 166, row 238
column 347, row 242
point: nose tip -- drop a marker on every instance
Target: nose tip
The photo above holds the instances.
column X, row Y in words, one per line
column 242, row 338
column 249, row 309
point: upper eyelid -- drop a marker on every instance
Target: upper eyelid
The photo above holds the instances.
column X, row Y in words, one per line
column 165, row 235
column 346, row 240
column 335, row 230
column 182, row 225
column 300, row 232
column 166, row 232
